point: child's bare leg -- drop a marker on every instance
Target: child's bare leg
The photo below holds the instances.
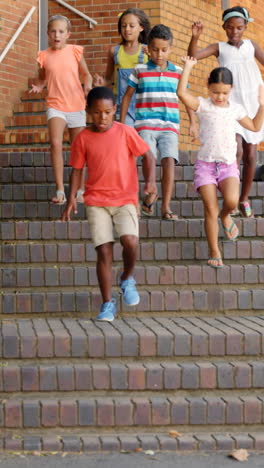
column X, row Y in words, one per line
column 239, row 154
column 249, row 167
column 56, row 128
column 73, row 133
column 167, row 182
column 211, row 209
column 130, row 246
column 104, row 269
column 230, row 190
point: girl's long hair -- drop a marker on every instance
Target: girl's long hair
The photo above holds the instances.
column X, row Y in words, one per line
column 143, row 21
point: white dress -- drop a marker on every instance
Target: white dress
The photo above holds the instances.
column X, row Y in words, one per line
column 247, row 78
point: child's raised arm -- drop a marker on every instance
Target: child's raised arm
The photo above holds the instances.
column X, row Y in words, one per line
column 184, row 94
column 259, row 53
column 193, row 51
column 256, row 123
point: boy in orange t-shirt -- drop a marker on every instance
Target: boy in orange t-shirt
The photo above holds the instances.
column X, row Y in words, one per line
column 111, row 192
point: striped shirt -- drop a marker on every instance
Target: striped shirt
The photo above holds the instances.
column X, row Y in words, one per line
column 157, row 105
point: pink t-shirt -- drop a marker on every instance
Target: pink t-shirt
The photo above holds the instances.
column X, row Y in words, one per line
column 218, row 131
column 112, row 173
column 61, row 66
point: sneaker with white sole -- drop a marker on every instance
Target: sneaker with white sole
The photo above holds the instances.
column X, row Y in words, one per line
column 130, row 294
column 108, row 311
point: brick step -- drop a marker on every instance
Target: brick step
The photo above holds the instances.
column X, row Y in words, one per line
column 131, row 441
column 43, row 209
column 127, row 376
column 27, row 136
column 183, row 171
column 86, row 301
column 27, row 96
column 26, row 107
column 26, row 120
column 26, row 148
column 133, row 337
column 147, row 276
column 43, row 175
column 149, row 228
column 160, row 251
column 135, row 412
column 28, row 159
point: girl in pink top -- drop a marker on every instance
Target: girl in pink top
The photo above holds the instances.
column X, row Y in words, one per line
column 60, row 66
column 216, row 165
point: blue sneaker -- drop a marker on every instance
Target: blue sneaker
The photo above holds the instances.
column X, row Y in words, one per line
column 130, row 294
column 108, row 311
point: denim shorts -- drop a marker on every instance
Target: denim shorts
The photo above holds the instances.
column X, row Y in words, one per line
column 206, row 173
column 163, row 143
column 128, row 120
column 72, row 119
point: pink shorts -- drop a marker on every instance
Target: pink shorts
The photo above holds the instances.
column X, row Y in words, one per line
column 206, row 173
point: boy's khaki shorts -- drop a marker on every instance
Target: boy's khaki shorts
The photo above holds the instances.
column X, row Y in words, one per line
column 103, row 220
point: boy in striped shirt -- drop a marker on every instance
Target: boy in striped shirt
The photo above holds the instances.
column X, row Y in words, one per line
column 157, row 111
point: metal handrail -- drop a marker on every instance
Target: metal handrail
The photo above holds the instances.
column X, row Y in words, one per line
column 78, row 12
column 18, row 31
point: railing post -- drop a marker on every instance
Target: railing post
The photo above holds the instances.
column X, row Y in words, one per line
column 43, row 21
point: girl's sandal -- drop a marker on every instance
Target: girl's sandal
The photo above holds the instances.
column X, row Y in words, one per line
column 60, row 198
column 218, row 263
column 232, row 232
column 245, row 210
column 169, row 216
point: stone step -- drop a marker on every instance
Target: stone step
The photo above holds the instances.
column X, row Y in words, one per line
column 134, row 412
column 25, row 230
column 129, row 376
column 131, row 441
column 133, row 337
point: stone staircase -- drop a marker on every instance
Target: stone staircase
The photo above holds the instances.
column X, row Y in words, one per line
column 183, row 370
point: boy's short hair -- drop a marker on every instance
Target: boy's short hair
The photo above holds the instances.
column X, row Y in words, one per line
column 160, row 31
column 98, row 93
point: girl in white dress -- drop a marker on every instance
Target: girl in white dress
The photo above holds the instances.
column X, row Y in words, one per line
column 238, row 55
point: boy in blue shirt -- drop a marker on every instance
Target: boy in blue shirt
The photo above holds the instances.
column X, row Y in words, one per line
column 157, row 111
